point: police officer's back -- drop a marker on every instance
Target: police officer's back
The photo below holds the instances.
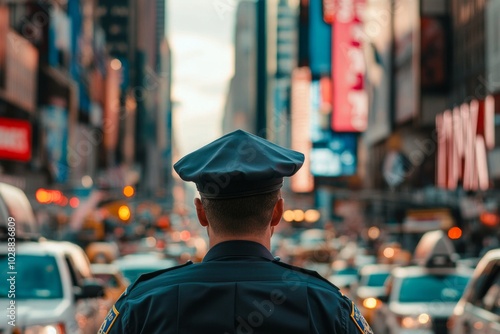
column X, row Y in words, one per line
column 238, row 287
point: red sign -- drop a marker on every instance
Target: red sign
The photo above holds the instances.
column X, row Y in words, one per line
column 350, row 100
column 464, row 135
column 15, row 139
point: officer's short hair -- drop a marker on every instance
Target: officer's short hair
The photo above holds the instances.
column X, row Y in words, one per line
column 242, row 215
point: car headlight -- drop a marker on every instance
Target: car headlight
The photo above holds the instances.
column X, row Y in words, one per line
column 421, row 321
column 45, row 329
column 371, row 303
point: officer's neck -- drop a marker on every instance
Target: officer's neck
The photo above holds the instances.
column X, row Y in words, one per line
column 264, row 240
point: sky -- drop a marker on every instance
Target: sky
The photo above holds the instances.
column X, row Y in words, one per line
column 200, row 33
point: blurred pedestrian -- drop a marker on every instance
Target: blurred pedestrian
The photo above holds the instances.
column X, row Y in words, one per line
column 239, row 287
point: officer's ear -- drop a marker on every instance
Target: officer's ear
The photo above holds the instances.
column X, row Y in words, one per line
column 200, row 212
column 277, row 212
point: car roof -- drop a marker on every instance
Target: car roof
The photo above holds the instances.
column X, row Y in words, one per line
column 415, row 271
column 491, row 254
column 104, row 268
column 138, row 264
column 14, row 203
column 375, row 268
column 45, row 247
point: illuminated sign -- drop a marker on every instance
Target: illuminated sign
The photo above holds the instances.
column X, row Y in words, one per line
column 350, row 100
column 15, row 139
column 464, row 135
column 21, row 66
column 302, row 181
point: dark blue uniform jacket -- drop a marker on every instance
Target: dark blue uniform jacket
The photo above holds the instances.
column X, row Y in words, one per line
column 239, row 288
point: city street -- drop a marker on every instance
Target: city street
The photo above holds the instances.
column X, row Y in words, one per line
column 250, row 166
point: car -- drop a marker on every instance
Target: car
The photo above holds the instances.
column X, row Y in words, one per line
column 370, row 288
column 15, row 209
column 132, row 266
column 102, row 252
column 421, row 297
column 112, row 278
column 344, row 274
column 478, row 311
column 50, row 288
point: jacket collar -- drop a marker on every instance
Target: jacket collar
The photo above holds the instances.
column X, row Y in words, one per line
column 238, row 249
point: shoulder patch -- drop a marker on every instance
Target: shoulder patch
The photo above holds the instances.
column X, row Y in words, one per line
column 148, row 276
column 109, row 321
column 360, row 321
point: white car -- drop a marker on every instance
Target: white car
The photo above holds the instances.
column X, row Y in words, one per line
column 421, row 298
column 478, row 311
column 49, row 289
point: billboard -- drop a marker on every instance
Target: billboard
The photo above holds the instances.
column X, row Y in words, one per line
column 407, row 40
column 320, row 39
column 115, row 18
column 332, row 154
column 15, row 139
column 54, row 120
column 302, row 181
column 378, row 55
column 350, row 100
column 21, row 67
column 492, row 44
column 465, row 135
column 4, row 28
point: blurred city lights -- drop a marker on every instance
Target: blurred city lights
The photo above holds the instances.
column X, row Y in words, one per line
column 312, row 216
column 87, row 181
column 42, row 196
column 116, row 64
column 423, row 318
column 407, row 322
column 370, row 303
column 55, row 196
column 74, row 202
column 389, row 252
column 124, row 213
column 288, row 215
column 185, row 235
column 373, row 232
column 128, row 191
column 298, row 215
column 489, row 219
column 454, row 233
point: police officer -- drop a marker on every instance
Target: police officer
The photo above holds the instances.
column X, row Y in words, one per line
column 239, row 287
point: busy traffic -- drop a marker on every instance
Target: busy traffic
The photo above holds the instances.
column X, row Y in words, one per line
column 68, row 287
column 250, row 166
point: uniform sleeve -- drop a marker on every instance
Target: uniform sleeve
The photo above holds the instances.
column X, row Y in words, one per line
column 116, row 321
column 352, row 319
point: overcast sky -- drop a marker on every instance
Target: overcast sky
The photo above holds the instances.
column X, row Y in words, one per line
column 200, row 33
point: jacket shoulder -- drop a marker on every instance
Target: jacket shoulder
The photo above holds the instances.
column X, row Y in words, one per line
column 309, row 273
column 151, row 275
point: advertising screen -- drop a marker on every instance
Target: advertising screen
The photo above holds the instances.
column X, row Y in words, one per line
column 320, row 38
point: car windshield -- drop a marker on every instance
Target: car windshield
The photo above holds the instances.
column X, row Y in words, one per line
column 431, row 288
column 377, row 279
column 348, row 271
column 37, row 277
